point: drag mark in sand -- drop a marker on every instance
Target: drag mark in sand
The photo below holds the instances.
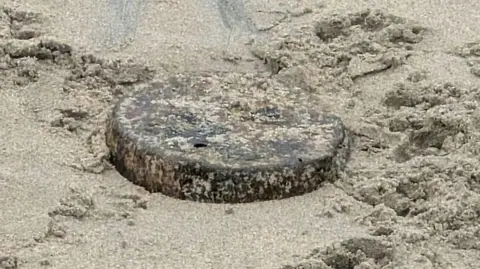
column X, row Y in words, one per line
column 232, row 14
column 122, row 22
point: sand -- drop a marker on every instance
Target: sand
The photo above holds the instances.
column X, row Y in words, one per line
column 405, row 80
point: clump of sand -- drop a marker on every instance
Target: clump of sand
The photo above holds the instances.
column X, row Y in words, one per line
column 412, row 183
column 417, row 147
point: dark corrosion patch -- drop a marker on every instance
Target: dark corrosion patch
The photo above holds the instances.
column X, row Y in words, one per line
column 225, row 138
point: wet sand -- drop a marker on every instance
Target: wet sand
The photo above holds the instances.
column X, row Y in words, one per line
column 408, row 91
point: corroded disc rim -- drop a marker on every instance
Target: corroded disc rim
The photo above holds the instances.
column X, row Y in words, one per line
column 203, row 180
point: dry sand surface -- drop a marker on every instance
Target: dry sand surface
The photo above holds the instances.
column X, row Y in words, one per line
column 404, row 76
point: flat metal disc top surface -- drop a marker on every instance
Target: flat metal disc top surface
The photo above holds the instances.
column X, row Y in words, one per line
column 213, row 139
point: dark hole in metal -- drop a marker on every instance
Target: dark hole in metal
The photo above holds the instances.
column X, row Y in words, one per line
column 199, row 145
column 300, row 160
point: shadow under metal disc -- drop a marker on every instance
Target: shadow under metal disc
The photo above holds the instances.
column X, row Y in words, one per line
column 230, row 139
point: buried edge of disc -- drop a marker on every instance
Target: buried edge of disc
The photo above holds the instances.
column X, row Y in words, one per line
column 198, row 138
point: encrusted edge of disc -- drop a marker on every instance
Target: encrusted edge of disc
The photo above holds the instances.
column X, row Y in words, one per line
column 201, row 182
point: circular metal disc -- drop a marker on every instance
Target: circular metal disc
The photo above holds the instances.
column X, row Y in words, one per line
column 228, row 139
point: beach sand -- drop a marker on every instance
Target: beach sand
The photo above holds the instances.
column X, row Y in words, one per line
column 405, row 79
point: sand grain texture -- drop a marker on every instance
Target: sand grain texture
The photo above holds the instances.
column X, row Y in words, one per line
column 404, row 80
